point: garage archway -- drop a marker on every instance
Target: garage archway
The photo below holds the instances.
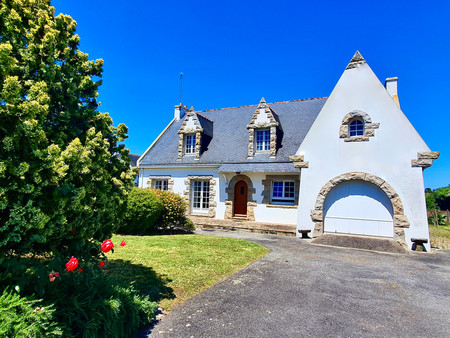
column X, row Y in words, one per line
column 358, row 208
column 400, row 221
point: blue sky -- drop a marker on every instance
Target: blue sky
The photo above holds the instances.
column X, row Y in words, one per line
column 234, row 52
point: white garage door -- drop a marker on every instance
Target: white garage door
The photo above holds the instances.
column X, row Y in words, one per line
column 358, row 208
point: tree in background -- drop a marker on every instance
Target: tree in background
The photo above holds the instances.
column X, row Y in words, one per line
column 63, row 174
column 437, row 201
column 438, row 198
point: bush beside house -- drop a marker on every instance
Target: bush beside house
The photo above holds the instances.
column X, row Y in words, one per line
column 150, row 211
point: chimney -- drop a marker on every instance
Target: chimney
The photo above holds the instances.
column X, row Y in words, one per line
column 179, row 112
column 391, row 87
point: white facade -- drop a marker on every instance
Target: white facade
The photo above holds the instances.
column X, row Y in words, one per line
column 263, row 212
column 387, row 154
column 359, row 167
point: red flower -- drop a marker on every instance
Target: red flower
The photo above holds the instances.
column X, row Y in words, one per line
column 80, row 270
column 123, row 243
column 107, row 245
column 52, row 276
column 72, row 264
column 101, row 264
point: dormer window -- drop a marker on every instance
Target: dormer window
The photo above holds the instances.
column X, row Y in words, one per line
column 356, row 128
column 195, row 133
column 264, row 131
column 189, row 144
column 263, row 140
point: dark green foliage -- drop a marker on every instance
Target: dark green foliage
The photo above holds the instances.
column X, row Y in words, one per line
column 431, row 201
column 437, row 201
column 143, row 211
column 25, row 317
column 438, row 198
column 87, row 303
column 64, row 176
column 174, row 211
column 94, row 305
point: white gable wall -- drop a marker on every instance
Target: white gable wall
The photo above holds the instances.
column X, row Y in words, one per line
column 387, row 155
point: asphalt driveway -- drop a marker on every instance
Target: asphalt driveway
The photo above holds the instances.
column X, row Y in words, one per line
column 300, row 289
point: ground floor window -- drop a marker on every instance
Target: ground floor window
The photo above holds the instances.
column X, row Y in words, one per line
column 200, row 197
column 161, row 184
column 283, row 192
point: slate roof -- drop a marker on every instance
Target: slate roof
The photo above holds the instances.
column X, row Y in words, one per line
column 134, row 158
column 229, row 144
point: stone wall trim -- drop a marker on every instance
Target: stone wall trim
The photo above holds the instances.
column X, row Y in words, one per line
column 169, row 179
column 212, row 193
column 425, row 159
column 369, row 126
column 251, row 204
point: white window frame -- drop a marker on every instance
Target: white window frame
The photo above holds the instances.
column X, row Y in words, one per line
column 283, row 200
column 265, row 143
column 358, row 129
column 189, row 144
column 200, row 197
column 161, row 185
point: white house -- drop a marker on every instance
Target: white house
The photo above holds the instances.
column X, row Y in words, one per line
column 351, row 163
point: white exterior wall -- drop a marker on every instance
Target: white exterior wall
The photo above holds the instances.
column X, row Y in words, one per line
column 387, row 155
column 262, row 212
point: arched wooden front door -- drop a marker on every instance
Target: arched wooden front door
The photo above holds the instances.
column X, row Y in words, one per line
column 240, row 198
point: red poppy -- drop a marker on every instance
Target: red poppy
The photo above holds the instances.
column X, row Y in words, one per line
column 72, row 264
column 80, row 270
column 107, row 245
column 123, row 243
column 56, row 274
column 101, row 264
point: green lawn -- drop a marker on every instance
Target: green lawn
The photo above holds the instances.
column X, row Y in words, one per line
column 440, row 236
column 172, row 268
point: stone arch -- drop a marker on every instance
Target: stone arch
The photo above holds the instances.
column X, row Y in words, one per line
column 369, row 126
column 400, row 220
column 230, row 200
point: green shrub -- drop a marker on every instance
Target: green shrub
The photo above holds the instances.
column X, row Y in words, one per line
column 87, row 302
column 25, row 317
column 96, row 305
column 143, row 211
column 173, row 213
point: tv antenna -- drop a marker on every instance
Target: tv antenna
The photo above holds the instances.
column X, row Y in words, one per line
column 181, row 84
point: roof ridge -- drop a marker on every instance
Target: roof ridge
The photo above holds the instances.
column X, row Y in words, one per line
column 255, row 105
column 204, row 117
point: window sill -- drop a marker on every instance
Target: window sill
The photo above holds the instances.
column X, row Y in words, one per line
column 356, row 139
column 199, row 215
column 282, row 206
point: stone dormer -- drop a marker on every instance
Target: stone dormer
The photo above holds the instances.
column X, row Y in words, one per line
column 195, row 133
column 264, row 131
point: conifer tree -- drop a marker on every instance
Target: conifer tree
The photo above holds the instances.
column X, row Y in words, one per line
column 64, row 174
